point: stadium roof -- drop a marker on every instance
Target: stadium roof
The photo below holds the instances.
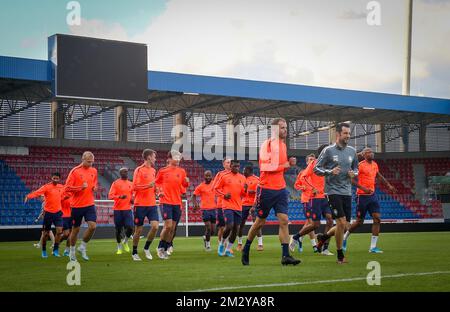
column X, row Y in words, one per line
column 29, row 79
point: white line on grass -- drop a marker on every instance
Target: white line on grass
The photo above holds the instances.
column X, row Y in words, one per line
column 317, row 282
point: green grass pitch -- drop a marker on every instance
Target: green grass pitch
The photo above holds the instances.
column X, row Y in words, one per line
column 406, row 256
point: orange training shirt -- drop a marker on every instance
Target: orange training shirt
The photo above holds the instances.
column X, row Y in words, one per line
column 232, row 183
column 272, row 157
column 206, row 193
column 172, row 180
column 52, row 194
column 77, row 176
column 143, row 194
column 118, row 188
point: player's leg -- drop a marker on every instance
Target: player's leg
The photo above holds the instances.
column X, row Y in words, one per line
column 237, row 218
column 127, row 228
column 58, row 222
column 90, row 216
column 245, row 213
column 176, row 216
column 45, row 236
column 229, row 219
column 220, row 224
column 258, row 235
column 207, row 236
column 166, row 233
column 52, row 237
column 139, row 217
column 118, row 225
column 374, row 210
column 328, row 225
column 153, row 219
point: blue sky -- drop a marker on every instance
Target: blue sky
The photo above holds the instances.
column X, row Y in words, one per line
column 323, row 42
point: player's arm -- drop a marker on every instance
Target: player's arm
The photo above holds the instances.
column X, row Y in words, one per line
column 267, row 162
column 113, row 194
column 185, row 179
column 95, row 186
column 386, row 182
column 321, row 166
column 40, row 192
column 355, row 163
column 70, row 184
column 306, row 178
column 218, row 188
column 194, row 197
column 363, row 188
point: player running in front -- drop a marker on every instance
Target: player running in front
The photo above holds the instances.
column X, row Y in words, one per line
column 145, row 203
column 207, row 206
column 82, row 184
column 121, row 192
column 366, row 198
column 339, row 164
column 272, row 193
column 231, row 187
column 52, row 193
column 170, row 180
column 251, row 184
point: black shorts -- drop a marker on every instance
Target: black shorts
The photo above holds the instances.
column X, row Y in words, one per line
column 341, row 206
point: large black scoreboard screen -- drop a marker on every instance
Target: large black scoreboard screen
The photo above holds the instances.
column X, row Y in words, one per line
column 98, row 69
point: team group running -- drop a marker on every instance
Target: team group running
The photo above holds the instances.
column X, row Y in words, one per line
column 226, row 201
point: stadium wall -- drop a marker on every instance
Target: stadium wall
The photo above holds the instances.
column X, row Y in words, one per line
column 33, row 233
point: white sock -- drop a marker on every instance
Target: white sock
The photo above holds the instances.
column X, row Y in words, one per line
column 240, row 240
column 313, row 242
column 260, row 241
column 125, row 240
column 229, row 246
column 119, row 246
column 301, row 239
column 373, row 242
column 208, row 244
column 83, row 245
column 346, row 235
column 72, row 250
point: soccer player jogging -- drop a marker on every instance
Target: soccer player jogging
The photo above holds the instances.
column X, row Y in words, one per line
column 226, row 163
column 366, row 198
column 121, row 192
column 251, row 184
column 231, row 187
column 207, row 206
column 339, row 164
column 145, row 203
column 52, row 192
column 67, row 221
column 170, row 180
column 318, row 202
column 305, row 198
column 82, row 184
column 272, row 193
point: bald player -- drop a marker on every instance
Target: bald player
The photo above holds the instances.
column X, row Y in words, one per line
column 121, row 192
column 52, row 193
column 207, row 206
column 82, row 184
column 367, row 200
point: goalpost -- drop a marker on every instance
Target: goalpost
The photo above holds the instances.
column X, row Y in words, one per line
column 105, row 213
